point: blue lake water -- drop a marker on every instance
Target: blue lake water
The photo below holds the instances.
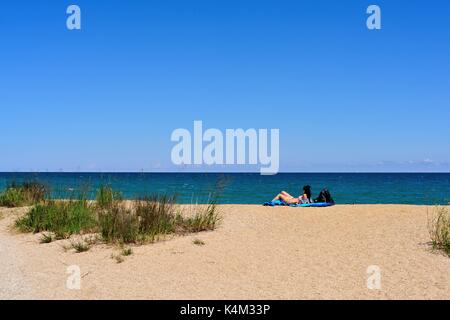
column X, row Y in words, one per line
column 252, row 188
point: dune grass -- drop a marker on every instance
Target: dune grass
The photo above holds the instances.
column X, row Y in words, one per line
column 25, row 194
column 12, row 197
column 439, row 229
column 205, row 218
column 64, row 218
column 118, row 224
column 106, row 197
column 147, row 219
column 152, row 218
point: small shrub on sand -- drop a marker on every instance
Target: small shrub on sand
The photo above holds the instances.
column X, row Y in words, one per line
column 439, row 229
column 61, row 217
column 46, row 238
column 28, row 193
column 80, row 246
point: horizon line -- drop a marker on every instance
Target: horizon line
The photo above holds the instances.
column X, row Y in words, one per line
column 223, row 172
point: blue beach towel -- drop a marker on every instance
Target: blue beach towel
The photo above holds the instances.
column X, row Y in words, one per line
column 282, row 203
column 318, row 204
column 274, row 203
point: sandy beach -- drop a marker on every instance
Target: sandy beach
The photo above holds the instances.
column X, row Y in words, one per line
column 256, row 253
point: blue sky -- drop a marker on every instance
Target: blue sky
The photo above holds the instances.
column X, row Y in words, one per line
column 108, row 96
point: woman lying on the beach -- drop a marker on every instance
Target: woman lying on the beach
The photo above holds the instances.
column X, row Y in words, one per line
column 288, row 199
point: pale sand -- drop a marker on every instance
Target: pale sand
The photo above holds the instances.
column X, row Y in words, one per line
column 256, row 253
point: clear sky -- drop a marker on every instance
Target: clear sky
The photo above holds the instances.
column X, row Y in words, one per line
column 107, row 97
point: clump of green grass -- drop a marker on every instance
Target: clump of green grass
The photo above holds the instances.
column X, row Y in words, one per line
column 205, row 218
column 106, row 197
column 46, row 238
column 157, row 216
column 118, row 224
column 61, row 217
column 12, row 197
column 198, row 242
column 80, row 246
column 149, row 218
column 439, row 229
column 28, row 193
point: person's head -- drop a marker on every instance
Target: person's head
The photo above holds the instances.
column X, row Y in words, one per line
column 307, row 191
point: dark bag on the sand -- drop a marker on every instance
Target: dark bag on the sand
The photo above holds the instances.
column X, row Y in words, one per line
column 324, row 196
